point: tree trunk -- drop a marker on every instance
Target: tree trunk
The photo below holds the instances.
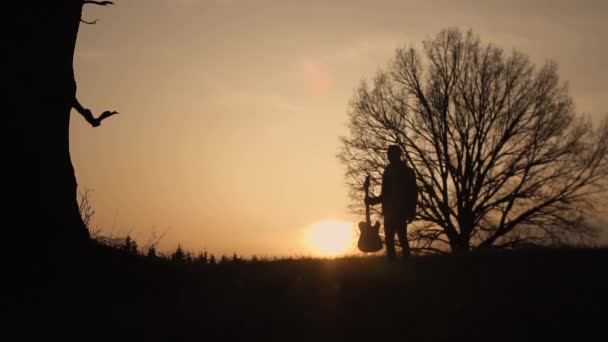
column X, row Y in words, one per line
column 43, row 184
column 459, row 245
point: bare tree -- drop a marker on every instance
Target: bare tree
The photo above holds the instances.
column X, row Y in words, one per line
column 499, row 153
column 42, row 94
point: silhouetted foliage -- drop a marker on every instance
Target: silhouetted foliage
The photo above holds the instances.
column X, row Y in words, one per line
column 152, row 252
column 236, row 258
column 152, row 243
column 178, row 255
column 86, row 210
column 544, row 293
column 202, row 258
column 499, row 154
column 130, row 246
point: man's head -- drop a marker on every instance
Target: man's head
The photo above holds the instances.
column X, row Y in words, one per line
column 394, row 154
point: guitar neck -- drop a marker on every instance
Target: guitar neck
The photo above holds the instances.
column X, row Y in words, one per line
column 367, row 215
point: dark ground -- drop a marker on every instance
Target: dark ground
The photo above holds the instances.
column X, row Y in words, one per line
column 514, row 296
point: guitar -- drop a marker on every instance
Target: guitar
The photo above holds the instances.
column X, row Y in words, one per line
column 369, row 239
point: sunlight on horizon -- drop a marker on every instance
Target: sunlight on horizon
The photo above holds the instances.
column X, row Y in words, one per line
column 330, row 237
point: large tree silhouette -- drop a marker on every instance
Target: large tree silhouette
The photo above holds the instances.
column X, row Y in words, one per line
column 42, row 185
column 499, row 153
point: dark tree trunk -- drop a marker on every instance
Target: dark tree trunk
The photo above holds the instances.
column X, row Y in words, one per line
column 43, row 184
column 459, row 245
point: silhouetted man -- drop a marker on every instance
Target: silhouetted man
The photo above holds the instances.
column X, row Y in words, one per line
column 399, row 196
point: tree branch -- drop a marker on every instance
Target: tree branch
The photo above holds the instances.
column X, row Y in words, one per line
column 89, row 22
column 98, row 3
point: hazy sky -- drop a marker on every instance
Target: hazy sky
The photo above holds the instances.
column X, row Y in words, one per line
column 231, row 109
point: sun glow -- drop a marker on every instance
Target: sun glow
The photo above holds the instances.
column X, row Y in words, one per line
column 331, row 238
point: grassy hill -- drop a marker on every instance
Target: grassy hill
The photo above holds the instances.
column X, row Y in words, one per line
column 525, row 295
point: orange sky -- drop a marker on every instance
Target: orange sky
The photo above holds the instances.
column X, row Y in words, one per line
column 231, row 109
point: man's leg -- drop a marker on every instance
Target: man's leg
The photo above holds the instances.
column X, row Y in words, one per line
column 389, row 238
column 402, row 234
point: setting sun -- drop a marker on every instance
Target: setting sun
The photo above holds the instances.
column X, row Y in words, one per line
column 331, row 238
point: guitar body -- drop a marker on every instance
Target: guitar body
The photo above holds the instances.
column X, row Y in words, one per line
column 369, row 239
